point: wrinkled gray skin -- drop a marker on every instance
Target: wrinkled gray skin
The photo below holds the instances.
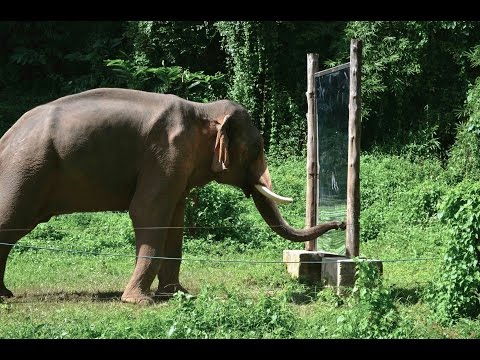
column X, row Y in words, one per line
column 118, row 149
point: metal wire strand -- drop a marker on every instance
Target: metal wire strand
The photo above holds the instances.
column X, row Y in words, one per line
column 324, row 261
column 150, row 227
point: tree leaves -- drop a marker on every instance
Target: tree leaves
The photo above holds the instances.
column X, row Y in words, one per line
column 454, row 294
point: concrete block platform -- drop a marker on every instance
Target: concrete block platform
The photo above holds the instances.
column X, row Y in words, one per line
column 334, row 270
column 299, row 268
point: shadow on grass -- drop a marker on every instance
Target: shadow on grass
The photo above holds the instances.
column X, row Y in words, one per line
column 76, row 296
column 71, row 296
column 407, row 296
column 305, row 296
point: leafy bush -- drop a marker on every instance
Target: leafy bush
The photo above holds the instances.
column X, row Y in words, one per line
column 464, row 161
column 195, row 86
column 214, row 215
column 455, row 292
column 224, row 216
column 415, row 74
column 93, row 232
column 230, row 316
column 268, row 83
column 372, row 312
column 423, row 144
column 398, row 192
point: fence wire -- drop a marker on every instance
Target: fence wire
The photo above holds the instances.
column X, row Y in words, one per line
column 152, row 227
column 323, row 261
column 159, row 296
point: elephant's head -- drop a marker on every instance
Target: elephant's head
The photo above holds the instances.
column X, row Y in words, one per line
column 239, row 160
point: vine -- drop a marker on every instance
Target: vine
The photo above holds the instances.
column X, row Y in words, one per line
column 456, row 291
column 257, row 82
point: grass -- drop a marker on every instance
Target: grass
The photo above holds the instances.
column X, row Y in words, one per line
column 65, row 295
column 76, row 296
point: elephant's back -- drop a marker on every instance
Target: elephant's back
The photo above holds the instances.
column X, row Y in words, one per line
column 119, row 99
column 98, row 124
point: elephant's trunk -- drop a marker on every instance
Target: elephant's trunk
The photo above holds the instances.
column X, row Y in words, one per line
column 270, row 213
column 266, row 202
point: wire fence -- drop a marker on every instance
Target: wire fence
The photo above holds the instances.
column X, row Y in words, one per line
column 250, row 226
column 326, row 259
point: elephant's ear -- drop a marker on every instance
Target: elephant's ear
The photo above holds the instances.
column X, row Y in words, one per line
column 220, row 159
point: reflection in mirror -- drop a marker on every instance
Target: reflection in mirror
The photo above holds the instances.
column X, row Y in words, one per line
column 332, row 96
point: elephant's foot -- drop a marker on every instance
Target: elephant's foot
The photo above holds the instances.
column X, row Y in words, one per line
column 137, row 297
column 165, row 292
column 5, row 293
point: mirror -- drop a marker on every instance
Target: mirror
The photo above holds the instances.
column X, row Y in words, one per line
column 332, row 97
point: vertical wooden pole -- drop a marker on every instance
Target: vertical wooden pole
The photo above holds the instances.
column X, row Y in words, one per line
column 312, row 156
column 353, row 177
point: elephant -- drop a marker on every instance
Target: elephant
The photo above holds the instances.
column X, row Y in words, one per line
column 113, row 149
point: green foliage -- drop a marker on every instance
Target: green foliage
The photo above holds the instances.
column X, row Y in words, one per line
column 230, row 316
column 195, row 86
column 189, row 44
column 415, row 73
column 226, row 218
column 214, row 215
column 57, row 56
column 397, row 193
column 188, row 52
column 267, row 82
column 456, row 290
column 424, row 144
column 372, row 312
column 464, row 160
column 43, row 60
column 94, row 232
column 255, row 78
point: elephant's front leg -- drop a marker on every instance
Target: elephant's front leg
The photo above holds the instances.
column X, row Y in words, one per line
column 151, row 213
column 150, row 243
column 168, row 275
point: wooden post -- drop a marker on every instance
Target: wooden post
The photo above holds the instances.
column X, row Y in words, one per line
column 312, row 156
column 353, row 177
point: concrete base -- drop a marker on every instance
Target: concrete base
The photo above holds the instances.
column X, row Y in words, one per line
column 299, row 268
column 338, row 272
column 329, row 270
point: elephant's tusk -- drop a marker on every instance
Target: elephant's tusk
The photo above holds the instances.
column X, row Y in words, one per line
column 271, row 195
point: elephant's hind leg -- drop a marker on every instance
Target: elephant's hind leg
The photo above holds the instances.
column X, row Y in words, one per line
column 146, row 267
column 19, row 214
column 160, row 187
column 24, row 192
column 151, row 228
column 4, row 251
column 8, row 237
